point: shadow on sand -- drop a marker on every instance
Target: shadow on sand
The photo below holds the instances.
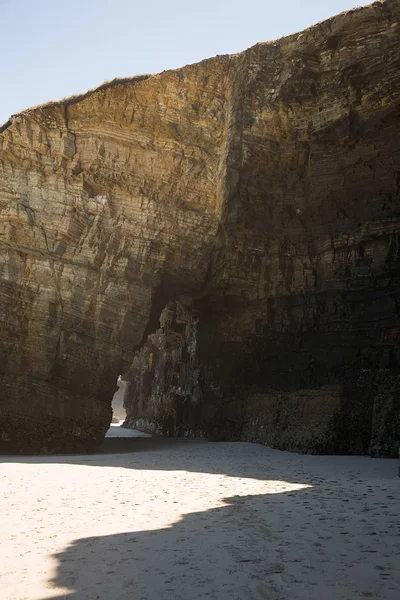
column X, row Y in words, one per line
column 324, row 539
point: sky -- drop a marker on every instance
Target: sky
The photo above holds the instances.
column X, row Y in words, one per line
column 52, row 48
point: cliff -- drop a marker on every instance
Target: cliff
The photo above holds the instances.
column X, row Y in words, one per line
column 225, row 235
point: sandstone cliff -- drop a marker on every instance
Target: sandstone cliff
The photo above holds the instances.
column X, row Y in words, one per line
column 226, row 235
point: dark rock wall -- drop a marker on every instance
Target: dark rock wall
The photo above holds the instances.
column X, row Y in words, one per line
column 298, row 323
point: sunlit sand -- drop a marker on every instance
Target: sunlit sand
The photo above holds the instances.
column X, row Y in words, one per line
column 193, row 520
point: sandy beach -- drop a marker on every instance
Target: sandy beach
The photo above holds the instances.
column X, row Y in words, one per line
column 186, row 520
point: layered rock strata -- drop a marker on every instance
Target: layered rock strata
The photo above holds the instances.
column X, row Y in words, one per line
column 226, row 235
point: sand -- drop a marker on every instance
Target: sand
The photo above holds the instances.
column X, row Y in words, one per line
column 117, row 431
column 191, row 520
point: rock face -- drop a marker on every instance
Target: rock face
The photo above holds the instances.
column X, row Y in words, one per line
column 226, row 235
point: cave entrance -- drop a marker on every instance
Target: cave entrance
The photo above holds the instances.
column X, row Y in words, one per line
column 117, row 404
column 117, row 427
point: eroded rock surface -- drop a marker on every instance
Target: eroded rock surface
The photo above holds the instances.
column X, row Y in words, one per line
column 253, row 201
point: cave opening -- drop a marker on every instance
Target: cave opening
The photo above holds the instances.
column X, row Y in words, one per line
column 119, row 427
column 117, row 404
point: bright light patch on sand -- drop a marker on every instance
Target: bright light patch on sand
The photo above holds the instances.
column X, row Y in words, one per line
column 52, row 505
column 193, row 521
